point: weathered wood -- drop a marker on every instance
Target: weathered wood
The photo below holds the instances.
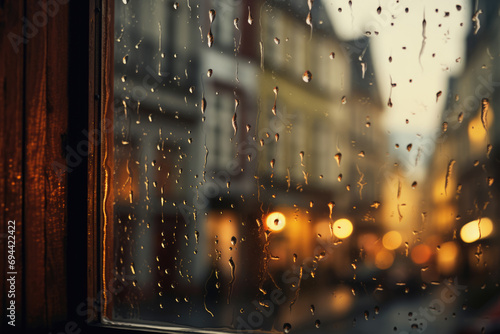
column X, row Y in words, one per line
column 57, row 120
column 33, row 111
column 11, row 141
column 35, row 182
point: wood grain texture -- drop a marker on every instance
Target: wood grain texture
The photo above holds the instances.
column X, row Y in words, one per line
column 57, row 120
column 33, row 120
column 46, row 112
column 35, row 185
column 11, row 143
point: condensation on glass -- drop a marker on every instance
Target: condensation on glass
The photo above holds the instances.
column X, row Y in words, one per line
column 304, row 166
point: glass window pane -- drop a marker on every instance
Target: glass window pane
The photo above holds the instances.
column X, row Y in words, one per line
column 301, row 166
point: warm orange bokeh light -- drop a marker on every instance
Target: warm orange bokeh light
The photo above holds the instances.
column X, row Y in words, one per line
column 342, row 300
column 384, row 259
column 421, row 254
column 447, row 257
column 276, row 221
column 392, row 240
column 342, row 228
column 476, row 229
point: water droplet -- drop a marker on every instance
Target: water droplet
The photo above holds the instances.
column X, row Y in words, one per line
column 459, row 7
column 125, row 59
column 317, row 323
column 332, row 55
column 248, row 127
column 294, row 257
column 414, row 184
column 309, row 19
column 389, row 103
column 445, row 126
column 338, row 158
column 490, row 181
column 363, row 70
column 209, row 72
column 250, row 18
column 331, row 205
column 366, row 314
column 276, row 40
column 485, row 104
column 343, row 100
column 125, row 2
column 377, row 310
column 408, row 147
column 272, row 163
column 124, row 78
column 379, row 10
column 310, row 4
column 438, row 94
column 211, row 15
column 233, row 240
column 277, row 137
column 287, row 328
column 361, row 154
column 233, row 122
column 307, row 76
column 210, row 39
column 176, row 5
column 203, row 105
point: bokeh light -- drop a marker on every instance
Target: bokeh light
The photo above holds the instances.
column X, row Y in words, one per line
column 276, row 221
column 421, row 254
column 384, row 259
column 342, row 228
column 476, row 229
column 392, row 240
column 447, row 257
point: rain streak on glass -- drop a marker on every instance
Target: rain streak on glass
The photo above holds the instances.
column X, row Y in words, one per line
column 303, row 166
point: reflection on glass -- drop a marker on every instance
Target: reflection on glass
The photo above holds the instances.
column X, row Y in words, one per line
column 305, row 166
